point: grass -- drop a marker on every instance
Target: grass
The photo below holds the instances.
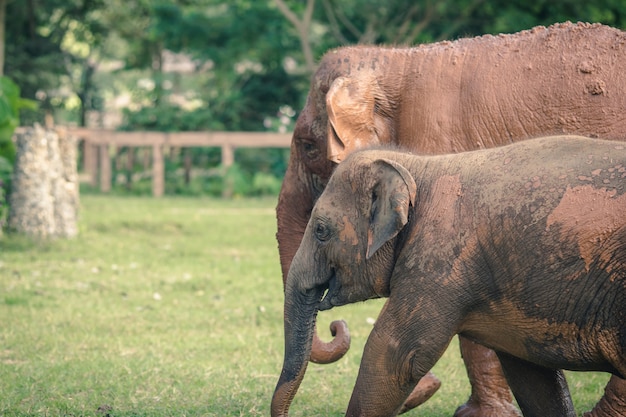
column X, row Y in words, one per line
column 173, row 307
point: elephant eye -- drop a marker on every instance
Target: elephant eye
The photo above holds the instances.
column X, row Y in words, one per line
column 310, row 149
column 322, row 231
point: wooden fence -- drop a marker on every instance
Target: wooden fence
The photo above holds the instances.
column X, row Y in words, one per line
column 98, row 145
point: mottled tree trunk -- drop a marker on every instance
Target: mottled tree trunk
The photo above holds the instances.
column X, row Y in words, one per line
column 44, row 197
column 3, row 10
column 67, row 197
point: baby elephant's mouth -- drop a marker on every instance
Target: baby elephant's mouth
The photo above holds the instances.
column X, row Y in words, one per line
column 330, row 296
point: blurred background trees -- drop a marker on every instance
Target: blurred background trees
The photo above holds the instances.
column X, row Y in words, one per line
column 175, row 65
column 207, row 64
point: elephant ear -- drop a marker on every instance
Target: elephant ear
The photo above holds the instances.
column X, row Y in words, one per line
column 394, row 192
column 350, row 103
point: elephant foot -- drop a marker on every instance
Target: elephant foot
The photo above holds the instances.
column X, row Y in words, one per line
column 424, row 389
column 491, row 396
column 613, row 403
column 473, row 409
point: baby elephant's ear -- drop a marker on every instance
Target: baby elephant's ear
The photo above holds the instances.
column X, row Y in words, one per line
column 394, row 192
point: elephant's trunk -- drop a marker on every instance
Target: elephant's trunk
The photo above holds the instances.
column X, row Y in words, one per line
column 293, row 211
column 329, row 352
column 300, row 313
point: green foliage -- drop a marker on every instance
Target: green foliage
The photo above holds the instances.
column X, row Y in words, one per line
column 265, row 184
column 216, row 182
column 248, row 58
column 166, row 117
column 257, row 172
column 48, row 51
column 238, row 48
column 10, row 105
column 240, row 182
column 235, row 181
column 52, row 47
column 512, row 16
column 250, row 54
column 411, row 22
column 6, row 170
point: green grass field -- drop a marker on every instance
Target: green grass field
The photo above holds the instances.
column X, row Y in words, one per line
column 173, row 307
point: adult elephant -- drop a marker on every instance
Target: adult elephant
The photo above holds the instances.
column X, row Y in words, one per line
column 452, row 97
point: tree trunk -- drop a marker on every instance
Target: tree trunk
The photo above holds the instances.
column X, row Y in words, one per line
column 3, row 10
column 130, row 165
column 187, row 164
column 44, row 198
column 302, row 27
column 66, row 200
column 85, row 90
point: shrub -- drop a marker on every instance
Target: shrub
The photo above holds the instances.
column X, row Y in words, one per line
column 10, row 105
column 265, row 184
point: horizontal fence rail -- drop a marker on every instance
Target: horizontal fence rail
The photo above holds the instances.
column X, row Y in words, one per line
column 99, row 143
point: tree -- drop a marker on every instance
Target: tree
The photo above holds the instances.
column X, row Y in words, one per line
column 409, row 22
column 239, row 49
column 3, row 12
column 303, row 28
column 251, row 56
column 251, row 59
column 50, row 48
column 10, row 105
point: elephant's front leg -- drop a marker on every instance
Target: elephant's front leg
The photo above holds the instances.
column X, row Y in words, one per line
column 393, row 363
column 491, row 396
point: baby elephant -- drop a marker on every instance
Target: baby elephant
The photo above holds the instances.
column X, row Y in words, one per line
column 520, row 248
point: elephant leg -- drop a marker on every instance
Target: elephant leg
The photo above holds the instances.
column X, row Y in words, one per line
column 395, row 366
column 613, row 403
column 491, row 396
column 539, row 391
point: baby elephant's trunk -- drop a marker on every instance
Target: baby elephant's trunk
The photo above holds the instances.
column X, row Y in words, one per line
column 300, row 314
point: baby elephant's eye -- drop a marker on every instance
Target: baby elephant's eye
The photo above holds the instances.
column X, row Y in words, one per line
column 322, row 231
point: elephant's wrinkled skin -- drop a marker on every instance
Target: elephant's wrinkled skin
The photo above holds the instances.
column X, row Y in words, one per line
column 451, row 97
column 521, row 248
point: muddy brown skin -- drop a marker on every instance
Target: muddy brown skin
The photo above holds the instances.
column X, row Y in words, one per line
column 520, row 248
column 451, row 97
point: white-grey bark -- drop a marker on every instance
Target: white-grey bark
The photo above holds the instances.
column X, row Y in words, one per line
column 44, row 197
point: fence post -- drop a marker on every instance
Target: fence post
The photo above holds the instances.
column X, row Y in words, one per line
column 90, row 162
column 105, row 168
column 228, row 159
column 228, row 155
column 158, row 171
